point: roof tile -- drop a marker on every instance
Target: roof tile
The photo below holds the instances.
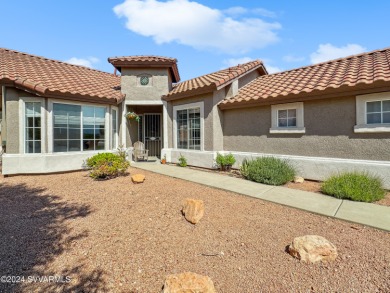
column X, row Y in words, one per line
column 213, row 80
column 364, row 68
column 45, row 76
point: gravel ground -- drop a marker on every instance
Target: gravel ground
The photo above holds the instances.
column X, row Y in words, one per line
column 115, row 236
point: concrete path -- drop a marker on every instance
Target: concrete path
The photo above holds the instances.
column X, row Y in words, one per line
column 363, row 213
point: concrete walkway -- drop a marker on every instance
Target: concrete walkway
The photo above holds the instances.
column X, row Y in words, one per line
column 363, row 213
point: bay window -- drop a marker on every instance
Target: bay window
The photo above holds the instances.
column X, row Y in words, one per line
column 78, row 128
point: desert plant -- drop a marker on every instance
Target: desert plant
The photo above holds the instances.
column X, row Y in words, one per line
column 182, row 161
column 121, row 151
column 355, row 186
column 225, row 161
column 268, row 170
column 106, row 166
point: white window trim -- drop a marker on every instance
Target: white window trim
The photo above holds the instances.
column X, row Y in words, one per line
column 199, row 105
column 50, row 141
column 22, row 124
column 300, row 128
column 111, row 133
column 361, row 114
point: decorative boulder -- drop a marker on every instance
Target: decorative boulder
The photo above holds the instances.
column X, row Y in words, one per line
column 312, row 249
column 138, row 178
column 188, row 283
column 298, row 179
column 193, row 210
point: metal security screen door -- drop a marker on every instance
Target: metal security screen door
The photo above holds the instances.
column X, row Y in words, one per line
column 152, row 134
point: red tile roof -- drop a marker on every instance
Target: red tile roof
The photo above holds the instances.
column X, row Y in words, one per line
column 155, row 61
column 53, row 78
column 340, row 74
column 212, row 81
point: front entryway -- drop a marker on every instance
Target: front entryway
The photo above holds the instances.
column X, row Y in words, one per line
column 150, row 133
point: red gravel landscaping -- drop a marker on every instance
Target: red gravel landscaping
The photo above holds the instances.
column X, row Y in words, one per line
column 116, row 236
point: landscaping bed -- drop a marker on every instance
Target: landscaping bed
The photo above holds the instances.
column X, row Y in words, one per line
column 116, row 236
column 307, row 185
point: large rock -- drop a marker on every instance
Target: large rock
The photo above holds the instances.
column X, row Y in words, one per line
column 298, row 179
column 188, row 283
column 193, row 210
column 312, row 249
column 138, row 178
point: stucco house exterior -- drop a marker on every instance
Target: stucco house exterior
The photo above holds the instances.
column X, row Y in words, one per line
column 324, row 118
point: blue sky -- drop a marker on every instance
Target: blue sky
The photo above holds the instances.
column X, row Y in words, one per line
column 204, row 36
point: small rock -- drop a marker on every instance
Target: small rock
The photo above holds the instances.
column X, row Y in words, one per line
column 312, row 249
column 188, row 283
column 298, row 179
column 193, row 210
column 138, row 178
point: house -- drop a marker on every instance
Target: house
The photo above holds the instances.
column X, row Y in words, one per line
column 324, row 118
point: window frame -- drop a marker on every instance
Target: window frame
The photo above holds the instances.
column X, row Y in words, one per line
column 361, row 113
column 50, row 137
column 199, row 105
column 22, row 124
column 299, row 128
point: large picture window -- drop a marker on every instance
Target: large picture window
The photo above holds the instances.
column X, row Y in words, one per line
column 33, row 127
column 78, row 128
column 188, row 129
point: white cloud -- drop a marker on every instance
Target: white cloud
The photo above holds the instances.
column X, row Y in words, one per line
column 291, row 58
column 235, row 61
column 196, row 25
column 327, row 52
column 273, row 69
column 264, row 12
column 87, row 62
column 236, row 10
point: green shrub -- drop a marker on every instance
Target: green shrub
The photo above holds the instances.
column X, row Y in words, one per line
column 107, row 166
column 354, row 186
column 182, row 161
column 225, row 161
column 268, row 170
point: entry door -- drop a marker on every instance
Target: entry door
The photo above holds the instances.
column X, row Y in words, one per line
column 153, row 134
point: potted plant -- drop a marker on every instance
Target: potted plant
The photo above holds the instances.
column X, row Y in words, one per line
column 132, row 116
column 164, row 159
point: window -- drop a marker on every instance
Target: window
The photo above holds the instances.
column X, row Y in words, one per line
column 77, row 128
column 33, row 127
column 287, row 118
column 188, row 126
column 114, row 122
column 93, row 128
column 144, row 80
column 373, row 113
column 378, row 112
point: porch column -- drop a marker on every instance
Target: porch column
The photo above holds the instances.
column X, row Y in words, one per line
column 165, row 124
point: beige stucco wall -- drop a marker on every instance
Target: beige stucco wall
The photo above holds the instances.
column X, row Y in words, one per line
column 329, row 132
column 159, row 84
column 247, row 78
column 12, row 120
